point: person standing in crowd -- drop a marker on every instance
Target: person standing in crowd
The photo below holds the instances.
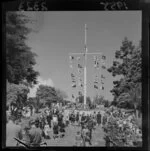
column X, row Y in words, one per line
column 55, row 126
column 73, row 118
column 62, row 129
column 90, row 126
column 80, row 119
column 46, row 130
column 49, row 118
column 104, row 119
column 77, row 118
column 12, row 131
column 67, row 120
column 94, row 121
column 25, row 135
column 78, row 139
column 55, row 130
column 98, row 118
column 83, row 120
column 85, row 135
column 60, row 119
column 94, row 115
column 41, row 121
column 35, row 135
column 107, row 141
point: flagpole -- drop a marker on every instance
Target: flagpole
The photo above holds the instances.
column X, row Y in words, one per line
column 85, row 82
column 85, row 53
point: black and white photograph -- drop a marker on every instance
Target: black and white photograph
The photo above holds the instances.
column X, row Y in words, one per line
column 74, row 78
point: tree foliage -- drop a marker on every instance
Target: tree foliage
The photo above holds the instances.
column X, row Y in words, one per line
column 98, row 100
column 127, row 65
column 16, row 95
column 61, row 94
column 46, row 95
column 20, row 60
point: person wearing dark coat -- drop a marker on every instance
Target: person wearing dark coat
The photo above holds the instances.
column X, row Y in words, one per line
column 35, row 135
column 83, row 120
column 104, row 119
column 98, row 118
column 90, row 126
column 49, row 118
column 62, row 129
column 60, row 119
column 55, row 130
column 77, row 117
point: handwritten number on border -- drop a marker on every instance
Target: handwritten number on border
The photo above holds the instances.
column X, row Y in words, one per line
column 36, row 8
column 30, row 5
column 114, row 5
column 21, row 6
column 43, row 7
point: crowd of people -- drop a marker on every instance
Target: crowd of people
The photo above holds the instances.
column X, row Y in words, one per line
column 87, row 122
column 52, row 124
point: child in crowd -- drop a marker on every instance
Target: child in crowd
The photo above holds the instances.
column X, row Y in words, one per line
column 86, row 136
column 46, row 130
column 78, row 139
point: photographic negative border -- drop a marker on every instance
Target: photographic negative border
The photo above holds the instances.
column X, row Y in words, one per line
column 87, row 5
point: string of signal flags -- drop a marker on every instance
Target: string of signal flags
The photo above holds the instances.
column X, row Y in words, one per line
column 99, row 63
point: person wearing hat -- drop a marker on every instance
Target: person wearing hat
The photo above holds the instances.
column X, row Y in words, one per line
column 35, row 135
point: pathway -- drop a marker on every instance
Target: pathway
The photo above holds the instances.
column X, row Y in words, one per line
column 69, row 138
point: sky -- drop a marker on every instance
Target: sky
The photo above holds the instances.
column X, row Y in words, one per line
column 59, row 33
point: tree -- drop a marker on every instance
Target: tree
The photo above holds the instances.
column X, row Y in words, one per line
column 98, row 100
column 16, row 96
column 135, row 94
column 61, row 94
column 106, row 103
column 19, row 58
column 32, row 101
column 128, row 66
column 124, row 101
column 45, row 95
